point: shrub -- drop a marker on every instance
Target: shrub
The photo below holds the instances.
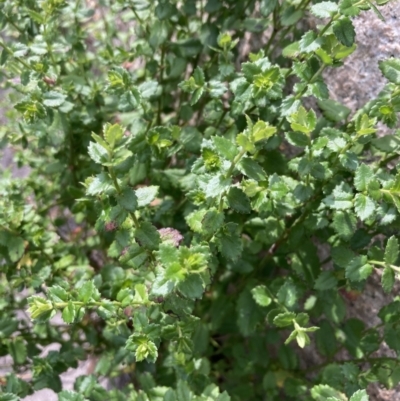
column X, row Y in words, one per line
column 195, row 213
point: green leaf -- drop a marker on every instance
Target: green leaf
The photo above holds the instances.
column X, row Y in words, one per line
column 248, row 313
column 284, row 319
column 358, row 269
column 391, row 251
column 261, row 131
column 363, row 176
column 345, row 224
column 69, row 313
column 67, row 395
column 347, row 8
column 85, row 291
column 97, row 153
column 147, row 235
column 225, row 148
column 53, row 99
column 128, row 200
column 325, row 339
column 261, row 296
column 146, row 195
column 16, row 248
column 9, row 397
column 18, row 350
column 238, row 200
column 333, row 110
column 325, row 9
column 326, row 281
column 251, row 169
column 212, row 221
column 303, row 121
column 360, row 395
column 322, row 392
column 229, row 242
column 244, row 141
column 364, row 206
column 113, row 134
column 391, row 70
column 388, row 279
column 344, row 31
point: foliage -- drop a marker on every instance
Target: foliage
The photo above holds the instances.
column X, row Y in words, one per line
column 181, row 194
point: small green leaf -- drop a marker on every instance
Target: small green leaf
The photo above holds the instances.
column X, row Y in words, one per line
column 97, row 153
column 261, row 131
column 113, row 134
column 391, row 251
column 325, row 9
column 229, row 242
column 225, row 147
column 360, row 395
column 147, row 235
column 364, row 206
column 358, row 269
column 261, row 296
column 363, row 177
column 284, row 319
column 146, row 195
column 325, row 281
column 128, row 200
column 344, row 31
column 388, row 279
column 85, row 291
column 391, row 70
column 251, row 169
column 238, row 200
column 53, row 99
column 67, row 395
column 69, row 313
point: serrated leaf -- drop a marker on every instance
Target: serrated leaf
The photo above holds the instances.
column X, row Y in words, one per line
column 364, row 206
column 261, row 295
column 322, row 392
column 360, row 395
column 333, row 110
column 391, row 251
column 225, row 148
column 358, row 269
column 345, row 224
column 248, row 313
column 391, row 70
column 113, row 134
column 325, row 9
column 238, row 200
column 212, row 221
column 15, row 247
column 97, row 153
column 128, row 200
column 69, row 313
column 53, row 99
column 67, row 395
column 146, row 195
column 284, row 319
column 229, row 242
column 262, row 130
column 363, row 177
column 85, row 291
column 147, row 235
column 347, row 8
column 388, row 279
column 325, row 281
column 344, row 31
column 251, row 169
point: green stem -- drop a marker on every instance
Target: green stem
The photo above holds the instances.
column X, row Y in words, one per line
column 393, row 267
